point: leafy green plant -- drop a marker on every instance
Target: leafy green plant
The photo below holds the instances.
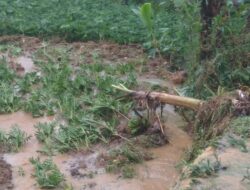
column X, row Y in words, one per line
column 145, row 12
column 44, row 131
column 46, row 173
column 9, row 98
column 205, row 168
column 14, row 139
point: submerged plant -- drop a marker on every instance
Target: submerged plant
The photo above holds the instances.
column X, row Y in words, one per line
column 122, row 160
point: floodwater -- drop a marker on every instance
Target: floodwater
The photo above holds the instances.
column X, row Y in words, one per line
column 159, row 173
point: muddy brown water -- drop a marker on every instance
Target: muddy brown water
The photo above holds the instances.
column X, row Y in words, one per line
column 159, row 173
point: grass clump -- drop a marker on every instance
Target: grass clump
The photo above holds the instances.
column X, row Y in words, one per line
column 14, row 139
column 46, row 173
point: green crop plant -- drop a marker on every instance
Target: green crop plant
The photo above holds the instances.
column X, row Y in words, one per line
column 14, row 139
column 204, row 169
column 82, row 96
column 47, row 173
column 146, row 14
column 6, row 74
column 9, row 98
column 44, row 131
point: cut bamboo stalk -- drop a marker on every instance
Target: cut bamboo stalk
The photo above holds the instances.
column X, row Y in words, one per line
column 187, row 102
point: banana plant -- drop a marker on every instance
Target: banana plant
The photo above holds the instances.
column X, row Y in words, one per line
column 145, row 12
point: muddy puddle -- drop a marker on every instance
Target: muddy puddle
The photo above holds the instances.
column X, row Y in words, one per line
column 159, row 173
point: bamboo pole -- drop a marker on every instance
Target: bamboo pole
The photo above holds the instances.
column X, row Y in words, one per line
column 164, row 97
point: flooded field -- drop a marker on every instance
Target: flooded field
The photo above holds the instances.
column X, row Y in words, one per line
column 159, row 173
column 40, row 69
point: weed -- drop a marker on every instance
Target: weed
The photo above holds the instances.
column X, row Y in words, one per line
column 46, row 173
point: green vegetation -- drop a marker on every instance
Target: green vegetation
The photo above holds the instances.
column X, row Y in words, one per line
column 73, row 20
column 138, row 125
column 237, row 142
column 82, row 96
column 240, row 126
column 13, row 140
column 128, row 171
column 213, row 49
column 122, row 160
column 44, row 131
column 204, row 168
column 174, row 28
column 46, row 173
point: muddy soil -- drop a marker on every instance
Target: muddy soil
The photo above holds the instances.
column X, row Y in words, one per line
column 5, row 175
